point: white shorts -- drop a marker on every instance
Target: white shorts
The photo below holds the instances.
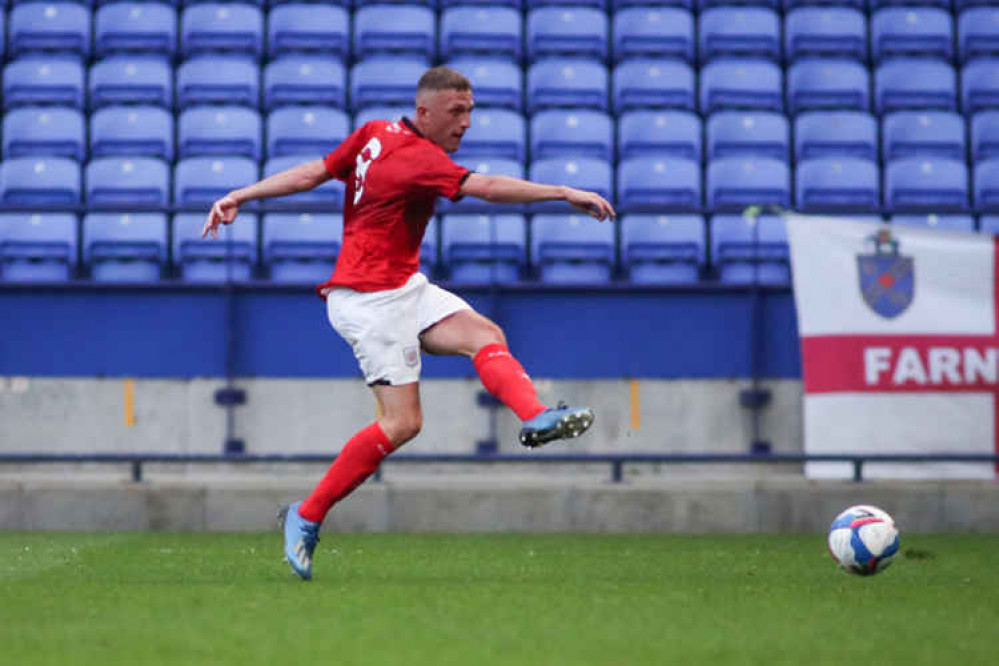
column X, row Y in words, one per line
column 384, row 327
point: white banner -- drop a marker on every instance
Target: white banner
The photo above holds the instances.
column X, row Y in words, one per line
column 900, row 350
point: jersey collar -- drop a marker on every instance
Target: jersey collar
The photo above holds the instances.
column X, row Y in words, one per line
column 412, row 128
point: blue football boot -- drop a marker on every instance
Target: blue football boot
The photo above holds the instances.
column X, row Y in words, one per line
column 300, row 539
column 561, row 422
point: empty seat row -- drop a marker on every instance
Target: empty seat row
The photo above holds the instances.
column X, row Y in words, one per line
column 237, row 131
column 563, row 249
column 577, row 31
column 555, row 83
column 642, row 184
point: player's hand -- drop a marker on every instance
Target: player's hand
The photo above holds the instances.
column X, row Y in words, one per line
column 590, row 203
column 223, row 212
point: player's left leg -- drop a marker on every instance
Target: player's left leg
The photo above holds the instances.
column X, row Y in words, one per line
column 469, row 333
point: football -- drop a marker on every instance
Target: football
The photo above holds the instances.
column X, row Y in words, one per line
column 863, row 540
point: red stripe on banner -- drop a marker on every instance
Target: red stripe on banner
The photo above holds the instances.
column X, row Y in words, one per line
column 995, row 332
column 900, row 363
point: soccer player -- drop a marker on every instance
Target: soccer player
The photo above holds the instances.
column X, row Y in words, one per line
column 380, row 303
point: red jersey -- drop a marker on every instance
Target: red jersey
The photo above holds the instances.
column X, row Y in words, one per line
column 394, row 176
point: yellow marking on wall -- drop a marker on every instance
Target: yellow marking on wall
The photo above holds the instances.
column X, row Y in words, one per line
column 129, row 387
column 636, row 406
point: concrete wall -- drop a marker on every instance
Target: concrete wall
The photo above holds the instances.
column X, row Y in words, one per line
column 463, row 505
column 318, row 416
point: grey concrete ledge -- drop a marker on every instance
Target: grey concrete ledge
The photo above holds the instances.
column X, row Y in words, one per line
column 501, row 505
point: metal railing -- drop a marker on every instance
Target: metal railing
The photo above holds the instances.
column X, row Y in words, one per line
column 616, row 461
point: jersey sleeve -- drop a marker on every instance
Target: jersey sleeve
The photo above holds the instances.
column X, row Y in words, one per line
column 341, row 161
column 435, row 172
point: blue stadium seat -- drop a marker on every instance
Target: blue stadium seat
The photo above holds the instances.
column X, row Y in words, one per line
column 922, row 32
column 308, row 29
column 663, row 249
column 572, row 249
column 198, row 180
column 230, row 257
column 915, row 84
column 741, row 84
column 769, row 4
column 35, row 80
column 232, row 28
column 566, row 32
column 825, row 32
column 130, row 79
column 929, row 184
column 132, row 131
column 659, row 133
column 482, row 249
column 618, row 5
column 562, row 82
column 826, row 184
column 739, row 32
column 934, row 221
column 985, row 135
column 384, row 82
column 37, row 246
column 653, row 32
column 219, row 130
column 496, row 133
column 761, row 133
column 987, row 185
column 980, row 85
column 932, row 133
column 828, row 84
column 330, row 193
column 658, row 184
column 646, row 84
column 978, row 33
column 836, row 133
column 39, row 180
column 513, row 4
column 989, row 224
column 746, row 250
column 365, row 3
column 392, row 30
column 36, row 130
column 585, row 173
column 49, row 27
column 300, row 247
column 494, row 32
column 790, row 5
column 942, row 4
column 218, row 80
column 582, row 133
column 596, row 4
column 736, row 182
column 379, row 112
column 125, row 247
column 303, row 130
column 127, row 180
column 135, row 27
column 491, row 167
column 496, row 83
column 305, row 80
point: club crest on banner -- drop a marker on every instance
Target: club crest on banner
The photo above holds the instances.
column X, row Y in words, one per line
column 887, row 281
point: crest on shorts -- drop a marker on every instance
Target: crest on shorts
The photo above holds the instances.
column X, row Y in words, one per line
column 887, row 281
column 411, row 355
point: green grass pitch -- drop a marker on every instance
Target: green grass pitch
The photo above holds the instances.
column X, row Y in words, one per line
column 151, row 599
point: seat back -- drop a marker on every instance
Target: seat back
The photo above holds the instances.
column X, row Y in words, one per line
column 303, row 130
column 135, row 27
column 308, row 29
column 662, row 133
column 39, row 180
column 653, row 32
column 219, row 130
column 828, row 84
column 736, row 182
column 646, row 84
column 741, row 84
column 837, row 184
column 203, row 180
column 582, row 133
column 58, row 132
column 563, row 82
column 36, row 80
column 825, row 32
column 926, row 184
column 218, row 80
column 231, row 28
column 568, row 32
column 655, row 184
column 132, row 131
column 731, row 133
column 836, row 133
column 121, row 180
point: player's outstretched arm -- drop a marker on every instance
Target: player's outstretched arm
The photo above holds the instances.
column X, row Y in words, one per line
column 297, row 179
column 504, row 189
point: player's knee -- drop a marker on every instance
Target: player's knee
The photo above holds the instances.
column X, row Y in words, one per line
column 491, row 334
column 402, row 428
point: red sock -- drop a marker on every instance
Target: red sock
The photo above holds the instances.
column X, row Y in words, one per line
column 504, row 377
column 358, row 460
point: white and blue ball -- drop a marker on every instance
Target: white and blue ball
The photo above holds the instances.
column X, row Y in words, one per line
column 863, row 540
